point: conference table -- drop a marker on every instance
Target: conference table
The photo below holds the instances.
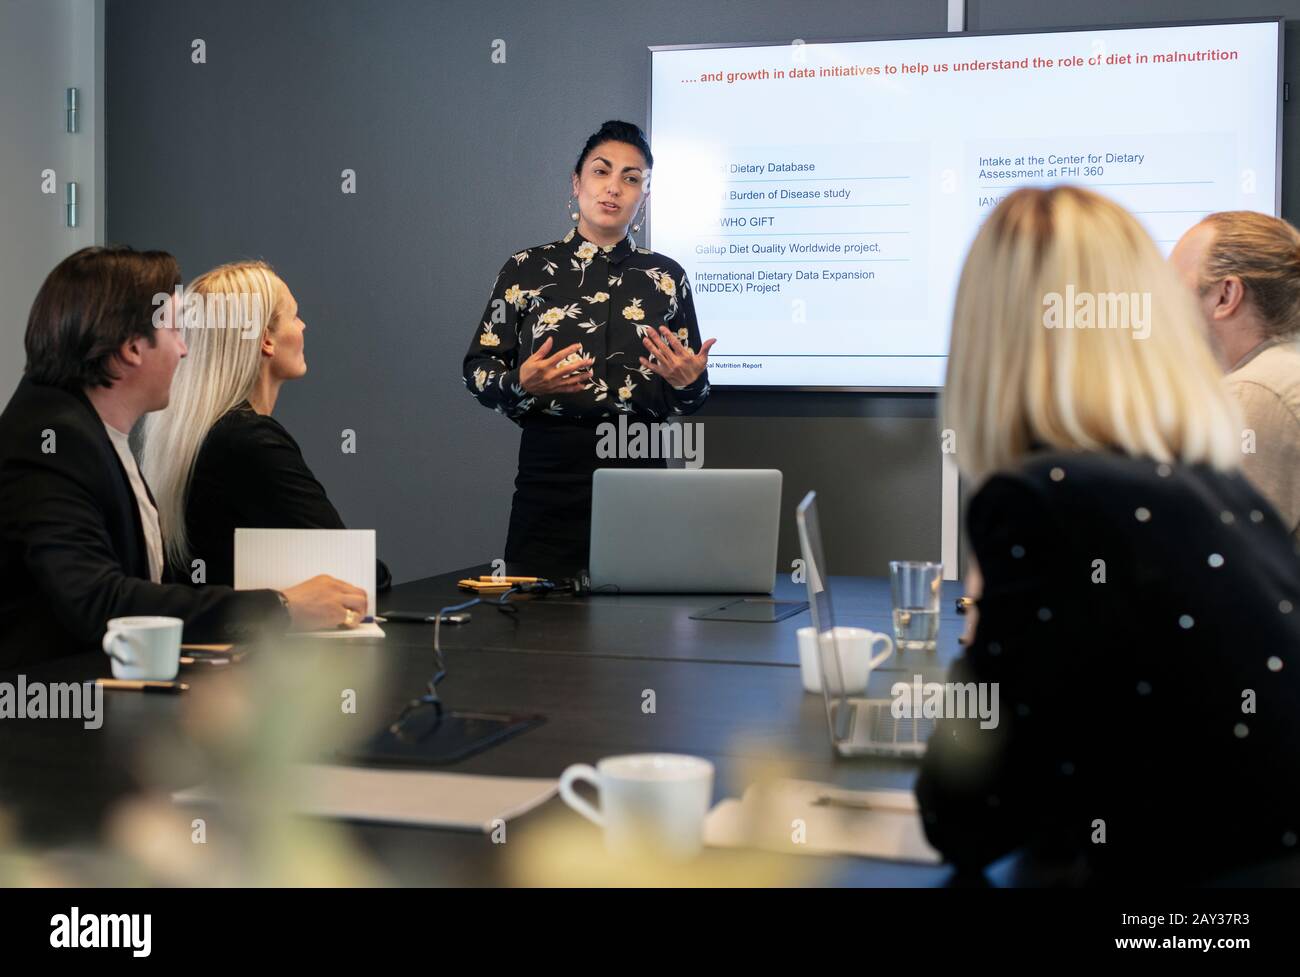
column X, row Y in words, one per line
column 727, row 691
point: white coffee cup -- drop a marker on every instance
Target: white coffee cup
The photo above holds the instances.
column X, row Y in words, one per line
column 144, row 647
column 857, row 653
column 653, row 803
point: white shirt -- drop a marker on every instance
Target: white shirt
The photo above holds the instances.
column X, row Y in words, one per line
column 148, row 514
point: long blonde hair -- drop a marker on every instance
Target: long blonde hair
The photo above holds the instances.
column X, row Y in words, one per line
column 227, row 312
column 1026, row 367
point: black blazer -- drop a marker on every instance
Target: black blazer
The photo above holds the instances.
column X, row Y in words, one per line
column 1130, row 610
column 72, row 550
column 250, row 473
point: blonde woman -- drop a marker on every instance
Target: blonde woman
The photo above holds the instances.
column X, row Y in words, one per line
column 1139, row 621
column 216, row 458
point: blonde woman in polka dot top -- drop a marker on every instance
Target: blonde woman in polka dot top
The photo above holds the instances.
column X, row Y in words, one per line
column 1139, row 598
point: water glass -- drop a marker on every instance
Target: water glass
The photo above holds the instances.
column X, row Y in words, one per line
column 917, row 588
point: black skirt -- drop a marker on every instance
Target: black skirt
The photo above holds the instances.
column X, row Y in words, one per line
column 550, row 518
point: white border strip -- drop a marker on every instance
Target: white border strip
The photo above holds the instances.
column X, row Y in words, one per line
column 956, row 16
column 950, row 488
column 949, row 518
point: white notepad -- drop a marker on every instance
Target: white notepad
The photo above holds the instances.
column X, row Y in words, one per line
column 416, row 797
column 278, row 559
column 888, row 828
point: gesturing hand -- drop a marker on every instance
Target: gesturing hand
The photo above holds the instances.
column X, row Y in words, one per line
column 542, row 374
column 676, row 364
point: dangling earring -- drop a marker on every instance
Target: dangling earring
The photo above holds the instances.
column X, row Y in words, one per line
column 573, row 214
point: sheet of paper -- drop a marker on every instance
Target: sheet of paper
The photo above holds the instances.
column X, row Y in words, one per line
column 783, row 817
column 281, row 558
column 416, row 797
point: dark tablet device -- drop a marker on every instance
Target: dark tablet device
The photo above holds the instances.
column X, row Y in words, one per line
column 763, row 610
column 429, row 740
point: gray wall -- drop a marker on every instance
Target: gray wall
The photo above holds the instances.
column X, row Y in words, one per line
column 460, row 162
column 46, row 47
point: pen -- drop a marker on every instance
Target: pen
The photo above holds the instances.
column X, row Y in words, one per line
column 141, row 685
column 860, row 804
column 368, row 619
column 420, row 617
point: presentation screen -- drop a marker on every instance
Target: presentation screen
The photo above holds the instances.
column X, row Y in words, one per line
column 822, row 196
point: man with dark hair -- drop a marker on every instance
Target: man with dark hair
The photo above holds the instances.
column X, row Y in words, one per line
column 79, row 538
column 94, row 302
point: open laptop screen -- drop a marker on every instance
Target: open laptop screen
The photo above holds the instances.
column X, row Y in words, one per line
column 838, row 713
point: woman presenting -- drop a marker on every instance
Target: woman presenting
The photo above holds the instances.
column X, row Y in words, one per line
column 576, row 332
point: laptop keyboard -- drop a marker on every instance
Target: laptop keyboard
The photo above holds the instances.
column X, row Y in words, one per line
column 887, row 728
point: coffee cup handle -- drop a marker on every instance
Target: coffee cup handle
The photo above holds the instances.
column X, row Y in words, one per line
column 110, row 646
column 889, row 648
column 581, row 772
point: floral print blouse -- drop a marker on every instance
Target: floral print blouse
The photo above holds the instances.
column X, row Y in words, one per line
column 602, row 297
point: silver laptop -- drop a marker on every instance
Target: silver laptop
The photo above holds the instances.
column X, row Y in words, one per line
column 858, row 726
column 684, row 530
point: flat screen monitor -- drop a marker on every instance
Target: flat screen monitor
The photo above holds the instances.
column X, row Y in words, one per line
column 822, row 195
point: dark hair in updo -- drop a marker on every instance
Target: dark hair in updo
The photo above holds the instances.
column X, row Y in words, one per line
column 615, row 131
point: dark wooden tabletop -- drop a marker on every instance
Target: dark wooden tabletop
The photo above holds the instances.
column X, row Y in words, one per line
column 727, row 691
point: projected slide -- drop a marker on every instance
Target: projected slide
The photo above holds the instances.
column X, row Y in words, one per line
column 822, row 196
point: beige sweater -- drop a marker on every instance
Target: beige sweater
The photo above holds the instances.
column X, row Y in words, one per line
column 1266, row 383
